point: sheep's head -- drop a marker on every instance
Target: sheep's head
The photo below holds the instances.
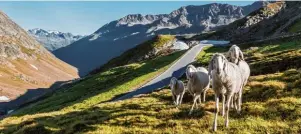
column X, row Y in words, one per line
column 189, row 70
column 173, row 82
column 218, row 63
column 235, row 54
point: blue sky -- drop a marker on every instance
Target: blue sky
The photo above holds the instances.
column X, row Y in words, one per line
column 86, row 17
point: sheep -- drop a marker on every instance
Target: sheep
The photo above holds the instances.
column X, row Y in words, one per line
column 198, row 82
column 236, row 56
column 226, row 81
column 177, row 90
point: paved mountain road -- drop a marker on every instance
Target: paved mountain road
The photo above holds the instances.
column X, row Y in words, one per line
column 176, row 70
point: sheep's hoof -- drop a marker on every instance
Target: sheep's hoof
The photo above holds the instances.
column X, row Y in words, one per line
column 190, row 113
column 227, row 124
column 214, row 128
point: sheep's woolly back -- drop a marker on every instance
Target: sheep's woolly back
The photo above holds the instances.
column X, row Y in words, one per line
column 198, row 80
column 245, row 70
column 202, row 69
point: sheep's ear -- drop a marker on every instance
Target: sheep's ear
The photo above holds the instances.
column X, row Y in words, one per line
column 241, row 55
column 225, row 64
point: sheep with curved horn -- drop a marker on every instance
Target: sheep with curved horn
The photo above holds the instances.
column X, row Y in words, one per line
column 198, row 82
column 177, row 90
column 226, row 81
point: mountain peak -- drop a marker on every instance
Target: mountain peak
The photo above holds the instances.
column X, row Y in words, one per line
column 53, row 39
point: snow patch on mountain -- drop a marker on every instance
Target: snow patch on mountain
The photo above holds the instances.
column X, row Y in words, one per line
column 53, row 39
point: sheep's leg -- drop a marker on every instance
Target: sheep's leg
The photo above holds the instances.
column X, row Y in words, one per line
column 232, row 102
column 178, row 99
column 235, row 102
column 239, row 101
column 229, row 96
column 200, row 100
column 204, row 96
column 223, row 105
column 216, row 112
column 181, row 98
column 194, row 102
column 173, row 98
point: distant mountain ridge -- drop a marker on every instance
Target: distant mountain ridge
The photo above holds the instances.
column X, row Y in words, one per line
column 53, row 40
column 274, row 20
column 116, row 37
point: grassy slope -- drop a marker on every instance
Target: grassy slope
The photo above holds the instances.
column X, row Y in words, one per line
column 296, row 27
column 271, row 104
column 137, row 52
column 85, row 94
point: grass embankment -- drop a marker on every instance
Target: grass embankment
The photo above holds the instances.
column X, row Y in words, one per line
column 84, row 95
column 271, row 104
column 147, row 50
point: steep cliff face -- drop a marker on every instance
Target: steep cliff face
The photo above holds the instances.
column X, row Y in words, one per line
column 25, row 64
column 118, row 36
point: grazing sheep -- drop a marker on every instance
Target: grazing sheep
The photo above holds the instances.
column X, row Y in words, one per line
column 236, row 56
column 177, row 90
column 198, row 82
column 226, row 81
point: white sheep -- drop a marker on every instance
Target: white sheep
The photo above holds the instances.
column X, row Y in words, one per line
column 198, row 82
column 177, row 90
column 236, row 56
column 226, row 81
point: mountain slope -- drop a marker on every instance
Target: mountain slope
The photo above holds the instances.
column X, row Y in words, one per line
column 120, row 35
column 53, row 40
column 158, row 46
column 274, row 20
column 25, row 64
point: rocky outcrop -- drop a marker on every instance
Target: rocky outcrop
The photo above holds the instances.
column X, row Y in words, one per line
column 271, row 21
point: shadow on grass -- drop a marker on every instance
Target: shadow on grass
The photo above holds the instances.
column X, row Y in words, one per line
column 33, row 95
column 100, row 83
